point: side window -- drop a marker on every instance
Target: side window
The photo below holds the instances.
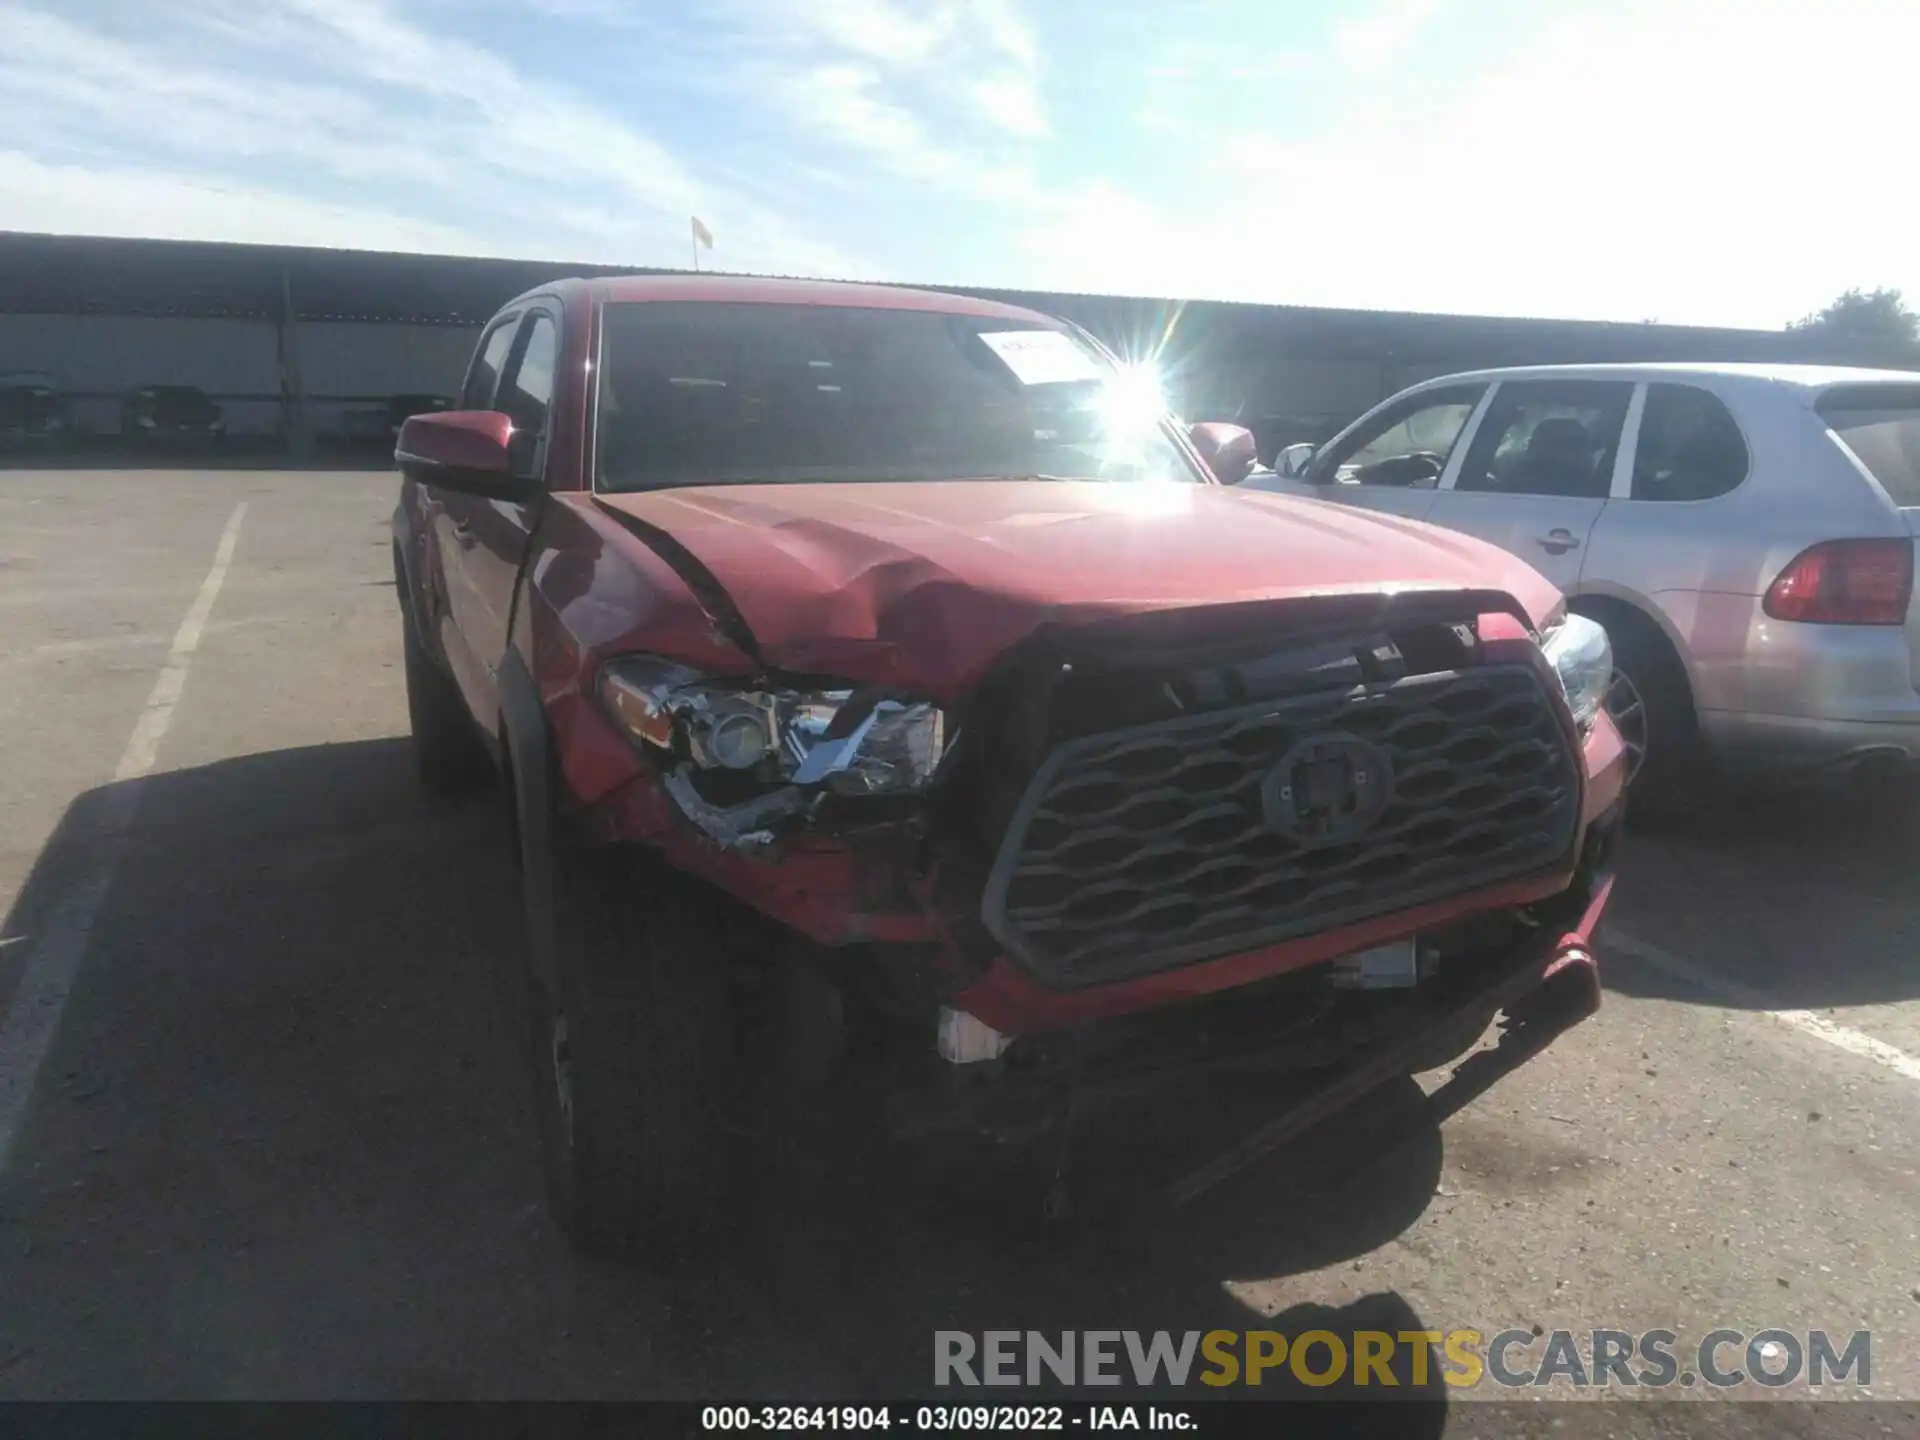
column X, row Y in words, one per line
column 1690, row 447
column 527, row 390
column 1405, row 447
column 484, row 373
column 1548, row 437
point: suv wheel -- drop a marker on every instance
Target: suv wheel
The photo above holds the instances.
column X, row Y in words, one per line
column 1628, row 710
column 1651, row 705
column 631, row 1050
column 447, row 752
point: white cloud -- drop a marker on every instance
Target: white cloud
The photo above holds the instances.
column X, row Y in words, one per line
column 946, row 91
column 1706, row 161
column 1011, row 102
column 1373, row 41
column 433, row 125
column 879, row 30
column 845, row 101
column 1701, row 160
column 156, row 204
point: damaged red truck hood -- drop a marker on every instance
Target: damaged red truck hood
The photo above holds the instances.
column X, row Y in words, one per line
column 922, row 585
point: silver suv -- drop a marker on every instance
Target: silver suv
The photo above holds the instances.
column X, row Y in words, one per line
column 1745, row 533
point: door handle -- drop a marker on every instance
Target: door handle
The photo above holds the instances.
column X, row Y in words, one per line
column 463, row 531
column 1557, row 541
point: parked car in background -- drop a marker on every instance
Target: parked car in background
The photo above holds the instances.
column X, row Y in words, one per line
column 32, row 411
column 885, row 688
column 381, row 425
column 1746, row 534
column 1273, row 434
column 171, row 414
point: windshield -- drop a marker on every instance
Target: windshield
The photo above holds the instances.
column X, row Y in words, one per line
column 1881, row 425
column 710, row 393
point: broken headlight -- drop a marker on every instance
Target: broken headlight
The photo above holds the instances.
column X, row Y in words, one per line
column 833, row 739
column 1582, row 657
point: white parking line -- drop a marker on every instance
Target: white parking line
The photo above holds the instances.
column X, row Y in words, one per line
column 1807, row 1022
column 34, row 1018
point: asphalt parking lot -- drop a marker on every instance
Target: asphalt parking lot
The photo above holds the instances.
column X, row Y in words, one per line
column 278, row 1145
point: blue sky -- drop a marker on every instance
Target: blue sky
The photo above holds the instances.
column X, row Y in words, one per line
column 1701, row 161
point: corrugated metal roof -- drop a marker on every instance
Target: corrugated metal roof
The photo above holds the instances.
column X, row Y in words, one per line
column 57, row 274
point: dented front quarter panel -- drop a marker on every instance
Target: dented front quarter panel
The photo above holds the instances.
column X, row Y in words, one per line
column 593, row 593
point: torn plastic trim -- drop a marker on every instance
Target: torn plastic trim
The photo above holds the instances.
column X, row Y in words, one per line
column 750, row 825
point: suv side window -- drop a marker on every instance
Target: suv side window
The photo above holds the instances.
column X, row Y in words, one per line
column 1405, row 447
column 484, row 374
column 1690, row 447
column 1548, row 437
column 527, row 391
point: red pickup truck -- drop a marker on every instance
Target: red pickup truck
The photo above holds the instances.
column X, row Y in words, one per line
column 884, row 682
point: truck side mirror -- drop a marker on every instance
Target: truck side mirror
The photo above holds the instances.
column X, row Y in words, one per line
column 1228, row 449
column 469, row 451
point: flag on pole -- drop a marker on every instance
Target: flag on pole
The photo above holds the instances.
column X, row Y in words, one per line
column 701, row 236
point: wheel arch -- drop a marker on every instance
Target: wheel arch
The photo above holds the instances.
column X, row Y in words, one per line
column 1618, row 611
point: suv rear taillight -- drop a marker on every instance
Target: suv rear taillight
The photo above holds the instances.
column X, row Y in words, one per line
column 1845, row 582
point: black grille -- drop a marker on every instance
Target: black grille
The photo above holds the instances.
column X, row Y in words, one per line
column 1144, row 848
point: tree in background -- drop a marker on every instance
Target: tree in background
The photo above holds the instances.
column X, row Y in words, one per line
column 1873, row 326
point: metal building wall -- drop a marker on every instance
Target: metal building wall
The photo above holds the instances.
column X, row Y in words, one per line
column 356, row 364
column 95, row 359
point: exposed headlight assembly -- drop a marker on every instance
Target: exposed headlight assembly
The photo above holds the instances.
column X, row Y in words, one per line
column 809, row 738
column 1582, row 656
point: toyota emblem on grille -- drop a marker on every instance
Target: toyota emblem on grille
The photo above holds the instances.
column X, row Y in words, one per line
column 1327, row 789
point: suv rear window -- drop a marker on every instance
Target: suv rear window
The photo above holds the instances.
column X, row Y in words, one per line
column 1690, row 446
column 1881, row 425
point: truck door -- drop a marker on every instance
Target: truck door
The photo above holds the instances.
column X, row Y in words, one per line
column 484, row 541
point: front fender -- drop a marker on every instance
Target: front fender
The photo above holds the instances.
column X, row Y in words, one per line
column 413, row 575
column 530, row 764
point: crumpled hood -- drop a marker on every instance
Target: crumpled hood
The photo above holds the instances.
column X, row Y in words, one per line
column 922, row 585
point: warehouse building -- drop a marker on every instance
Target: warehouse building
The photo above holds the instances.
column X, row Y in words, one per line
column 300, row 347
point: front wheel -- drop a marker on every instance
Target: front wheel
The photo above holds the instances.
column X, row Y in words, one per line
column 631, row 1043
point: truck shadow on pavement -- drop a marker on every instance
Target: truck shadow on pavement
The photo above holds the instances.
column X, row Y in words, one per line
column 1799, row 899
column 282, row 1148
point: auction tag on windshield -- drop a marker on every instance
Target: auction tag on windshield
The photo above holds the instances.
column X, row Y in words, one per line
column 1041, row 357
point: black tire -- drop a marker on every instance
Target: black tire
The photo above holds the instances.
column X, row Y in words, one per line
column 632, row 1057
column 1652, row 707
column 448, row 754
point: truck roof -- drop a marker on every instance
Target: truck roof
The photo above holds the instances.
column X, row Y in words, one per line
column 754, row 290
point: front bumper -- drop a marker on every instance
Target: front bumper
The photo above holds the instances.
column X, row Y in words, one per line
column 1543, row 993
column 1541, row 984
column 860, row 894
